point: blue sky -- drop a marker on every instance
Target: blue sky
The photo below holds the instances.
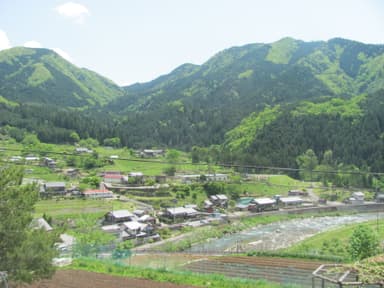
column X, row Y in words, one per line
column 132, row 41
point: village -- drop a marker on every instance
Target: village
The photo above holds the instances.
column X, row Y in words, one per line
column 146, row 222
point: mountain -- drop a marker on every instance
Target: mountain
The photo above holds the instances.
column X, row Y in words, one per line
column 198, row 105
column 41, row 76
column 258, row 103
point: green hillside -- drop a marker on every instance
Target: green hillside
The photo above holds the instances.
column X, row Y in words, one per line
column 198, row 105
column 29, row 75
column 258, row 103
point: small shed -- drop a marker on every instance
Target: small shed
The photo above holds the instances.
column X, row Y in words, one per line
column 288, row 202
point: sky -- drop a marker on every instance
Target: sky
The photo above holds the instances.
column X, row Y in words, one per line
column 131, row 41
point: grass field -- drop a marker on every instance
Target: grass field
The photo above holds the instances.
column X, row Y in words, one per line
column 61, row 207
column 273, row 185
column 334, row 242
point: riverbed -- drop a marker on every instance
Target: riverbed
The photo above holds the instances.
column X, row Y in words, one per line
column 280, row 234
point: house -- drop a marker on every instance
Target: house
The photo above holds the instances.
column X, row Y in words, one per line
column 139, row 212
column 32, row 159
column 147, row 219
column 53, row 188
column 181, row 212
column 16, row 159
column 208, row 206
column 113, row 229
column 71, row 172
column 187, row 179
column 263, row 204
column 66, row 242
column 136, row 177
column 118, row 216
column 160, row 179
column 41, row 223
column 83, row 150
column 357, row 198
column 243, row 203
column 380, row 198
column 113, row 178
column 49, row 162
column 97, row 193
column 297, row 193
column 217, row 177
column 289, row 202
column 149, row 153
column 111, row 173
column 219, row 200
column 133, row 227
column 206, row 177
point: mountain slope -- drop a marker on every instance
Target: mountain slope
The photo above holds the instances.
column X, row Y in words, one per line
column 41, row 76
column 197, row 105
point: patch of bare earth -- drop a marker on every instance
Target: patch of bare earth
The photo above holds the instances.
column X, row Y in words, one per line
column 85, row 279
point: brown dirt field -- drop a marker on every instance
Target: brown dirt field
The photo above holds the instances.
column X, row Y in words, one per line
column 85, row 279
column 271, row 261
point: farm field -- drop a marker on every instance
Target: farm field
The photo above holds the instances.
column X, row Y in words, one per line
column 85, row 279
column 284, row 271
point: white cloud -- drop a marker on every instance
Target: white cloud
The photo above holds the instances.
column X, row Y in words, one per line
column 4, row 41
column 33, row 44
column 63, row 54
column 72, row 10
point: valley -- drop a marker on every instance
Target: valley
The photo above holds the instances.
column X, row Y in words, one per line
column 265, row 150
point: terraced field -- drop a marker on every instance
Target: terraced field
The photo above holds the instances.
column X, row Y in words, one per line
column 280, row 270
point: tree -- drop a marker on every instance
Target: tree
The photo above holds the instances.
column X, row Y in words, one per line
column 113, row 142
column 363, row 243
column 89, row 142
column 30, row 140
column 74, row 137
column 173, row 156
column 328, row 158
column 26, row 253
column 307, row 163
column 170, row 170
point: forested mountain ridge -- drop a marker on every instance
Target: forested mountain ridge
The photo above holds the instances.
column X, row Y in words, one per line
column 197, row 105
column 259, row 103
column 41, row 76
column 353, row 129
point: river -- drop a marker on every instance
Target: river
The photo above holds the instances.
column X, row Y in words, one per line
column 280, row 234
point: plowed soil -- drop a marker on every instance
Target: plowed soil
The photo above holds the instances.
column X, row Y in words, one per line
column 84, row 279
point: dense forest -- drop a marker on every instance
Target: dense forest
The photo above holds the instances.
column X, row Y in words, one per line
column 260, row 104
